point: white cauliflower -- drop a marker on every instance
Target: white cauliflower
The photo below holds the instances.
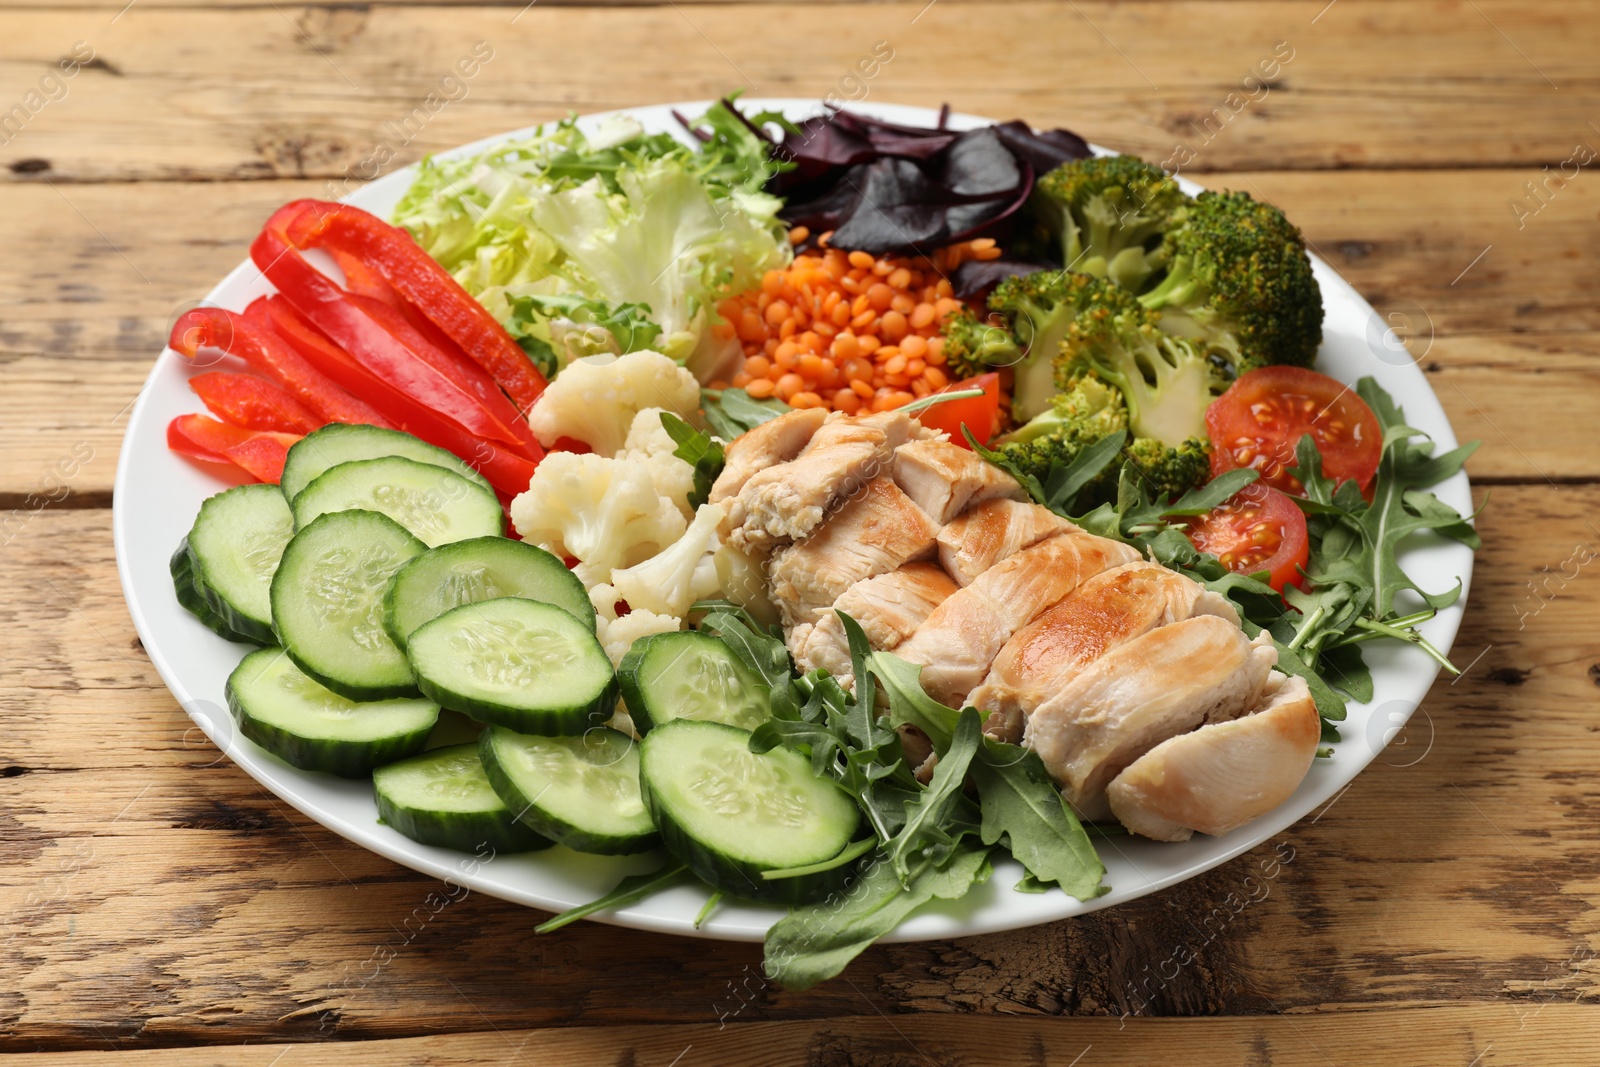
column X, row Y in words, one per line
column 668, row 582
column 616, row 634
column 595, row 400
column 649, row 443
column 605, row 512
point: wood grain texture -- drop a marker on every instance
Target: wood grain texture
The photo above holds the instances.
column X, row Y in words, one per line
column 100, row 272
column 161, row 897
column 310, row 91
column 1560, row 1034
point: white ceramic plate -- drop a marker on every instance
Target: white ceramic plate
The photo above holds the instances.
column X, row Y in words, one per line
column 158, row 493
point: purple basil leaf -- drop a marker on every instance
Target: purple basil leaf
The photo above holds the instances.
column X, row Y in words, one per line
column 1045, row 150
column 977, row 163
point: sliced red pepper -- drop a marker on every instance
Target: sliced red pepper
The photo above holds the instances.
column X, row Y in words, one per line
column 507, row 471
column 349, row 325
column 253, row 403
column 261, row 453
column 208, row 327
column 429, row 287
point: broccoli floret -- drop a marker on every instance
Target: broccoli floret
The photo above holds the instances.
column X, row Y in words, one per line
column 1239, row 280
column 1167, row 381
column 1109, row 214
column 1085, row 412
column 1037, row 310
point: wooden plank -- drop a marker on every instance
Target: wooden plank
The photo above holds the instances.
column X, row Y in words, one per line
column 170, row 894
column 266, row 91
column 100, row 271
column 1559, row 1035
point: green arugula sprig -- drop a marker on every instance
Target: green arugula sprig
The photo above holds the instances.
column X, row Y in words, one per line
column 700, row 450
column 730, row 412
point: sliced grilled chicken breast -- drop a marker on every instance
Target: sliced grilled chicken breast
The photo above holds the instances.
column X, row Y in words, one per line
column 991, row 531
column 943, row 478
column 1223, row 775
column 776, row 441
column 1109, row 609
column 876, row 530
column 958, row 641
column 889, row 608
column 786, row 502
column 1159, row 685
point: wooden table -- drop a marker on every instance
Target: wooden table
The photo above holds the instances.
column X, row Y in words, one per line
column 161, row 907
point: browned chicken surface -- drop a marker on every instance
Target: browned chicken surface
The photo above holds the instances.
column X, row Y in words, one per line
column 992, row 531
column 785, row 502
column 958, row 641
column 888, row 608
column 944, row 478
column 775, row 441
column 1221, row 776
column 1109, row 609
column 875, row 530
column 1159, row 685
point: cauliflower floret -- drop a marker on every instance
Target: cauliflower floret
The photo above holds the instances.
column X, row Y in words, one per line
column 616, row 634
column 606, row 512
column 668, row 582
column 595, row 400
column 649, row 443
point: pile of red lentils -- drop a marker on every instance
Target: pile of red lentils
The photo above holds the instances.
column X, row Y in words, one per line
column 847, row 330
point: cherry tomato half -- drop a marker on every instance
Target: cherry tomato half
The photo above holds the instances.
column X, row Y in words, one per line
column 1257, row 529
column 981, row 414
column 1260, row 419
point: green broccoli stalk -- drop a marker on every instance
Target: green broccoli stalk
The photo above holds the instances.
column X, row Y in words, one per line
column 1239, row 281
column 1038, row 311
column 1108, row 214
column 1167, row 382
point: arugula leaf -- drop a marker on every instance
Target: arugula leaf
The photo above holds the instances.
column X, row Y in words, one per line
column 1215, row 492
column 909, row 704
column 1023, row 809
column 816, row 942
column 925, row 829
column 730, row 412
column 633, row 888
column 1063, row 481
column 700, row 450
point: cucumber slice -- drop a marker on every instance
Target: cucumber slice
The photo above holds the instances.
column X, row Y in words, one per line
column 443, row 798
column 435, row 504
column 517, row 663
column 580, row 791
column 339, row 442
column 193, row 599
column 690, row 675
column 234, row 548
column 483, row 568
column 729, row 813
column 304, row 724
column 327, row 603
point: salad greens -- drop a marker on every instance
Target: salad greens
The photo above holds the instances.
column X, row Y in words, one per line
column 621, row 223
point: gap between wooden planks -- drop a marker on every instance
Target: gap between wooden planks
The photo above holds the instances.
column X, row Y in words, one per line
column 272, row 91
column 1560, row 1035
column 170, row 892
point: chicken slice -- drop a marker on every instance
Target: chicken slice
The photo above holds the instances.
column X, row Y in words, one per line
column 1223, row 775
column 959, row 639
column 1162, row 684
column 775, row 441
column 876, row 530
column 889, row 608
column 992, row 531
column 943, row 478
column 1109, row 609
column 789, row 500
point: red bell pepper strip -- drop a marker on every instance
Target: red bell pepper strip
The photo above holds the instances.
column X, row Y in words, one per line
column 261, row 453
column 253, row 403
column 349, row 325
column 429, row 287
column 507, row 471
column 208, row 327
